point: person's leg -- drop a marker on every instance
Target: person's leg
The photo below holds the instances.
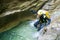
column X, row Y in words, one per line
column 36, row 23
column 41, row 26
column 49, row 20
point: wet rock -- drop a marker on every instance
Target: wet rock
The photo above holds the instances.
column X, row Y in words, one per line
column 53, row 30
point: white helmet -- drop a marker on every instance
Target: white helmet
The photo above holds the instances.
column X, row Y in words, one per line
column 40, row 12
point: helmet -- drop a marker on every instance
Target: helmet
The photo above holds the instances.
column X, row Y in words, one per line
column 40, row 12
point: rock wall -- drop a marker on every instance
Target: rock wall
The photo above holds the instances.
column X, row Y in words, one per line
column 17, row 11
column 12, row 12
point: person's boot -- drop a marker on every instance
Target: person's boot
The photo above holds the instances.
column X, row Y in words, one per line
column 45, row 30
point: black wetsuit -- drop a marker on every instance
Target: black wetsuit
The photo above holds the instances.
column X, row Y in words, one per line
column 42, row 19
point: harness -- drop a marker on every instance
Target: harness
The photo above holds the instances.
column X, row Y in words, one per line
column 43, row 19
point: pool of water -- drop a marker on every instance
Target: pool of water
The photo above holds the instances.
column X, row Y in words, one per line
column 23, row 31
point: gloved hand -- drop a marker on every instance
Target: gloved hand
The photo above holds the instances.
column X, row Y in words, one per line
column 33, row 11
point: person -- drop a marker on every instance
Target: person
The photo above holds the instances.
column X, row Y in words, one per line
column 44, row 19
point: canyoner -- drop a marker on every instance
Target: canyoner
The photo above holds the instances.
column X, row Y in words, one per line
column 43, row 19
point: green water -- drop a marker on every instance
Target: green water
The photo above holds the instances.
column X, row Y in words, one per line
column 23, row 31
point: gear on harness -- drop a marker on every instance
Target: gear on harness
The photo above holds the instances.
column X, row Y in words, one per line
column 43, row 19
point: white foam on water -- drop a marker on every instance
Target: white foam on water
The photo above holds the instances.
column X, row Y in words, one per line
column 32, row 22
column 36, row 35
